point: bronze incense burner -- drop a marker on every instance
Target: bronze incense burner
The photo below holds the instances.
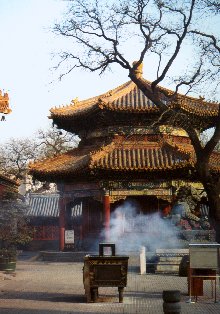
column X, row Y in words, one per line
column 104, row 270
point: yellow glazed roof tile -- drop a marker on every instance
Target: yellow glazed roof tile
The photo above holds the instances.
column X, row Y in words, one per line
column 119, row 155
column 129, row 98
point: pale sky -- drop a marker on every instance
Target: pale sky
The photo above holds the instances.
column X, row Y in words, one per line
column 26, row 67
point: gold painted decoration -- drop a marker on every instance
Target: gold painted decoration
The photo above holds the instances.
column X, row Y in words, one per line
column 4, row 103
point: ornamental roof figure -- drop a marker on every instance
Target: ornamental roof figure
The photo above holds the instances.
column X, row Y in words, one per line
column 4, row 103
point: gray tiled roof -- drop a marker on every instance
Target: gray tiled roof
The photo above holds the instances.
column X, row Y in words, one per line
column 43, row 205
column 47, row 205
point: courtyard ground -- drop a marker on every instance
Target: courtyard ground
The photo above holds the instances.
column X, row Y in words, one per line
column 39, row 287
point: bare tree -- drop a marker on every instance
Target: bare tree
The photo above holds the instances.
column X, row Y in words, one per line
column 204, row 137
column 213, row 5
column 14, row 229
column 52, row 142
column 99, row 31
column 16, row 154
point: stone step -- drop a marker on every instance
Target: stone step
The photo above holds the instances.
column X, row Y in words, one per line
column 168, row 260
column 166, row 268
column 76, row 257
column 57, row 256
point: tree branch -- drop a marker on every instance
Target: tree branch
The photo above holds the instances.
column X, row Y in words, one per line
column 178, row 46
column 208, row 36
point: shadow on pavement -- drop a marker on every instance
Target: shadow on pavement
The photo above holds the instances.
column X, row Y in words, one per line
column 134, row 269
column 42, row 311
column 42, row 296
column 73, row 298
column 146, row 295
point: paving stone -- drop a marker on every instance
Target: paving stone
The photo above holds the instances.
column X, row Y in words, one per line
column 43, row 288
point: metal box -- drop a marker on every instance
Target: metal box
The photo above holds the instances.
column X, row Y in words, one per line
column 104, row 271
column 204, row 256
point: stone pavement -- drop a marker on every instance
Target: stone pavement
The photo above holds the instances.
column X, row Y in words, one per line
column 43, row 287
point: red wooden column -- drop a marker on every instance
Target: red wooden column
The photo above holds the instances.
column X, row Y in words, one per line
column 62, row 224
column 107, row 217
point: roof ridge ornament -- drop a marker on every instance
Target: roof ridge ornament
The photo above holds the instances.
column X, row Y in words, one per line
column 74, row 101
column 4, row 105
column 202, row 98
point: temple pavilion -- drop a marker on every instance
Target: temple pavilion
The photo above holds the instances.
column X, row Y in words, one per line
column 127, row 153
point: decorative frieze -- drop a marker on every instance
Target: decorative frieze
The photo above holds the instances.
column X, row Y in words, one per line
column 134, row 185
column 153, row 192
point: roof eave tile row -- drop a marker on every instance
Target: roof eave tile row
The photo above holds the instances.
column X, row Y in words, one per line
column 128, row 98
column 115, row 157
column 7, row 180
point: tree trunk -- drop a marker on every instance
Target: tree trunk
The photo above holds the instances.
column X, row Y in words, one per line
column 211, row 183
column 214, row 207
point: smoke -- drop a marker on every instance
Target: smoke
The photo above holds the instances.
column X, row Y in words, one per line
column 130, row 229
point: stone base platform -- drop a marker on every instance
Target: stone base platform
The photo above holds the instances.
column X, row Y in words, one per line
column 168, row 260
